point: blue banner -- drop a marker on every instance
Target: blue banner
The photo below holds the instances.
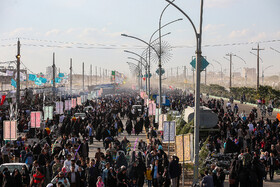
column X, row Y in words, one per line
column 38, row 82
column 32, row 77
column 57, row 80
column 13, row 83
column 43, row 80
column 61, row 75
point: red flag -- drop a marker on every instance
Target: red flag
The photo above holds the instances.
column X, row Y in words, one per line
column 3, row 99
column 278, row 116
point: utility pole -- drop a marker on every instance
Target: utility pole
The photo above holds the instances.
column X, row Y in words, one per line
column 177, row 73
column 258, row 65
column 100, row 74
column 71, row 77
column 83, row 76
column 185, row 75
column 96, row 75
column 18, row 75
column 230, row 67
column 91, row 74
column 53, row 66
column 103, row 75
column 205, row 76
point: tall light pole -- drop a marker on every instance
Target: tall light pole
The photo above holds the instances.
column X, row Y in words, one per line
column 198, row 36
column 263, row 73
column 149, row 59
column 141, row 64
column 18, row 76
column 54, row 72
column 145, row 66
column 149, row 45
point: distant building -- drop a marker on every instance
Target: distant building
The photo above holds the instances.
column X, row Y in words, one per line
column 250, row 73
column 49, row 72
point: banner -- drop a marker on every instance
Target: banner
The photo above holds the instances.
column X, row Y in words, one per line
column 169, row 130
column 43, row 80
column 38, row 82
column 68, row 104
column 57, row 80
column 142, row 94
column 163, row 99
column 59, row 107
column 152, row 109
column 10, row 130
column 162, row 118
column 2, row 99
column 61, row 75
column 183, row 147
column 22, row 76
column 32, row 77
column 79, row 101
column 9, row 73
column 158, row 112
column 48, row 112
column 35, row 119
column 73, row 103
column 13, row 83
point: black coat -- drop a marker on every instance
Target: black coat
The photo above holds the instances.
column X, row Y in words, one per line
column 174, row 168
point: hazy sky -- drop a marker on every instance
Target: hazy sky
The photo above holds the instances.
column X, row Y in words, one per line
column 92, row 31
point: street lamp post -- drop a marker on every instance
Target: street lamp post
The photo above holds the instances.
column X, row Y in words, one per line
column 198, row 36
column 145, row 66
column 150, row 43
column 263, row 73
column 221, row 70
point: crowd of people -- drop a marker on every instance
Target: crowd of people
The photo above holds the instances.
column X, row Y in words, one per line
column 58, row 154
column 253, row 142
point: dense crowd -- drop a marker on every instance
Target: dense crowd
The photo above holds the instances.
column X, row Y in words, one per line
column 59, row 156
column 252, row 141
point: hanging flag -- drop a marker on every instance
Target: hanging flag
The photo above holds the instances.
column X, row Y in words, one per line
column 22, row 76
column 32, row 77
column 2, row 100
column 9, row 73
column 38, row 82
column 13, row 83
column 43, row 80
column 57, row 80
column 61, row 75
column 278, row 116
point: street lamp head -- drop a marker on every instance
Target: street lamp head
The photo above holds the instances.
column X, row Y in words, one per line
column 123, row 34
column 126, row 51
column 180, row 19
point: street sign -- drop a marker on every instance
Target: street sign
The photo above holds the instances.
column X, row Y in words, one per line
column 162, row 71
column 204, row 63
